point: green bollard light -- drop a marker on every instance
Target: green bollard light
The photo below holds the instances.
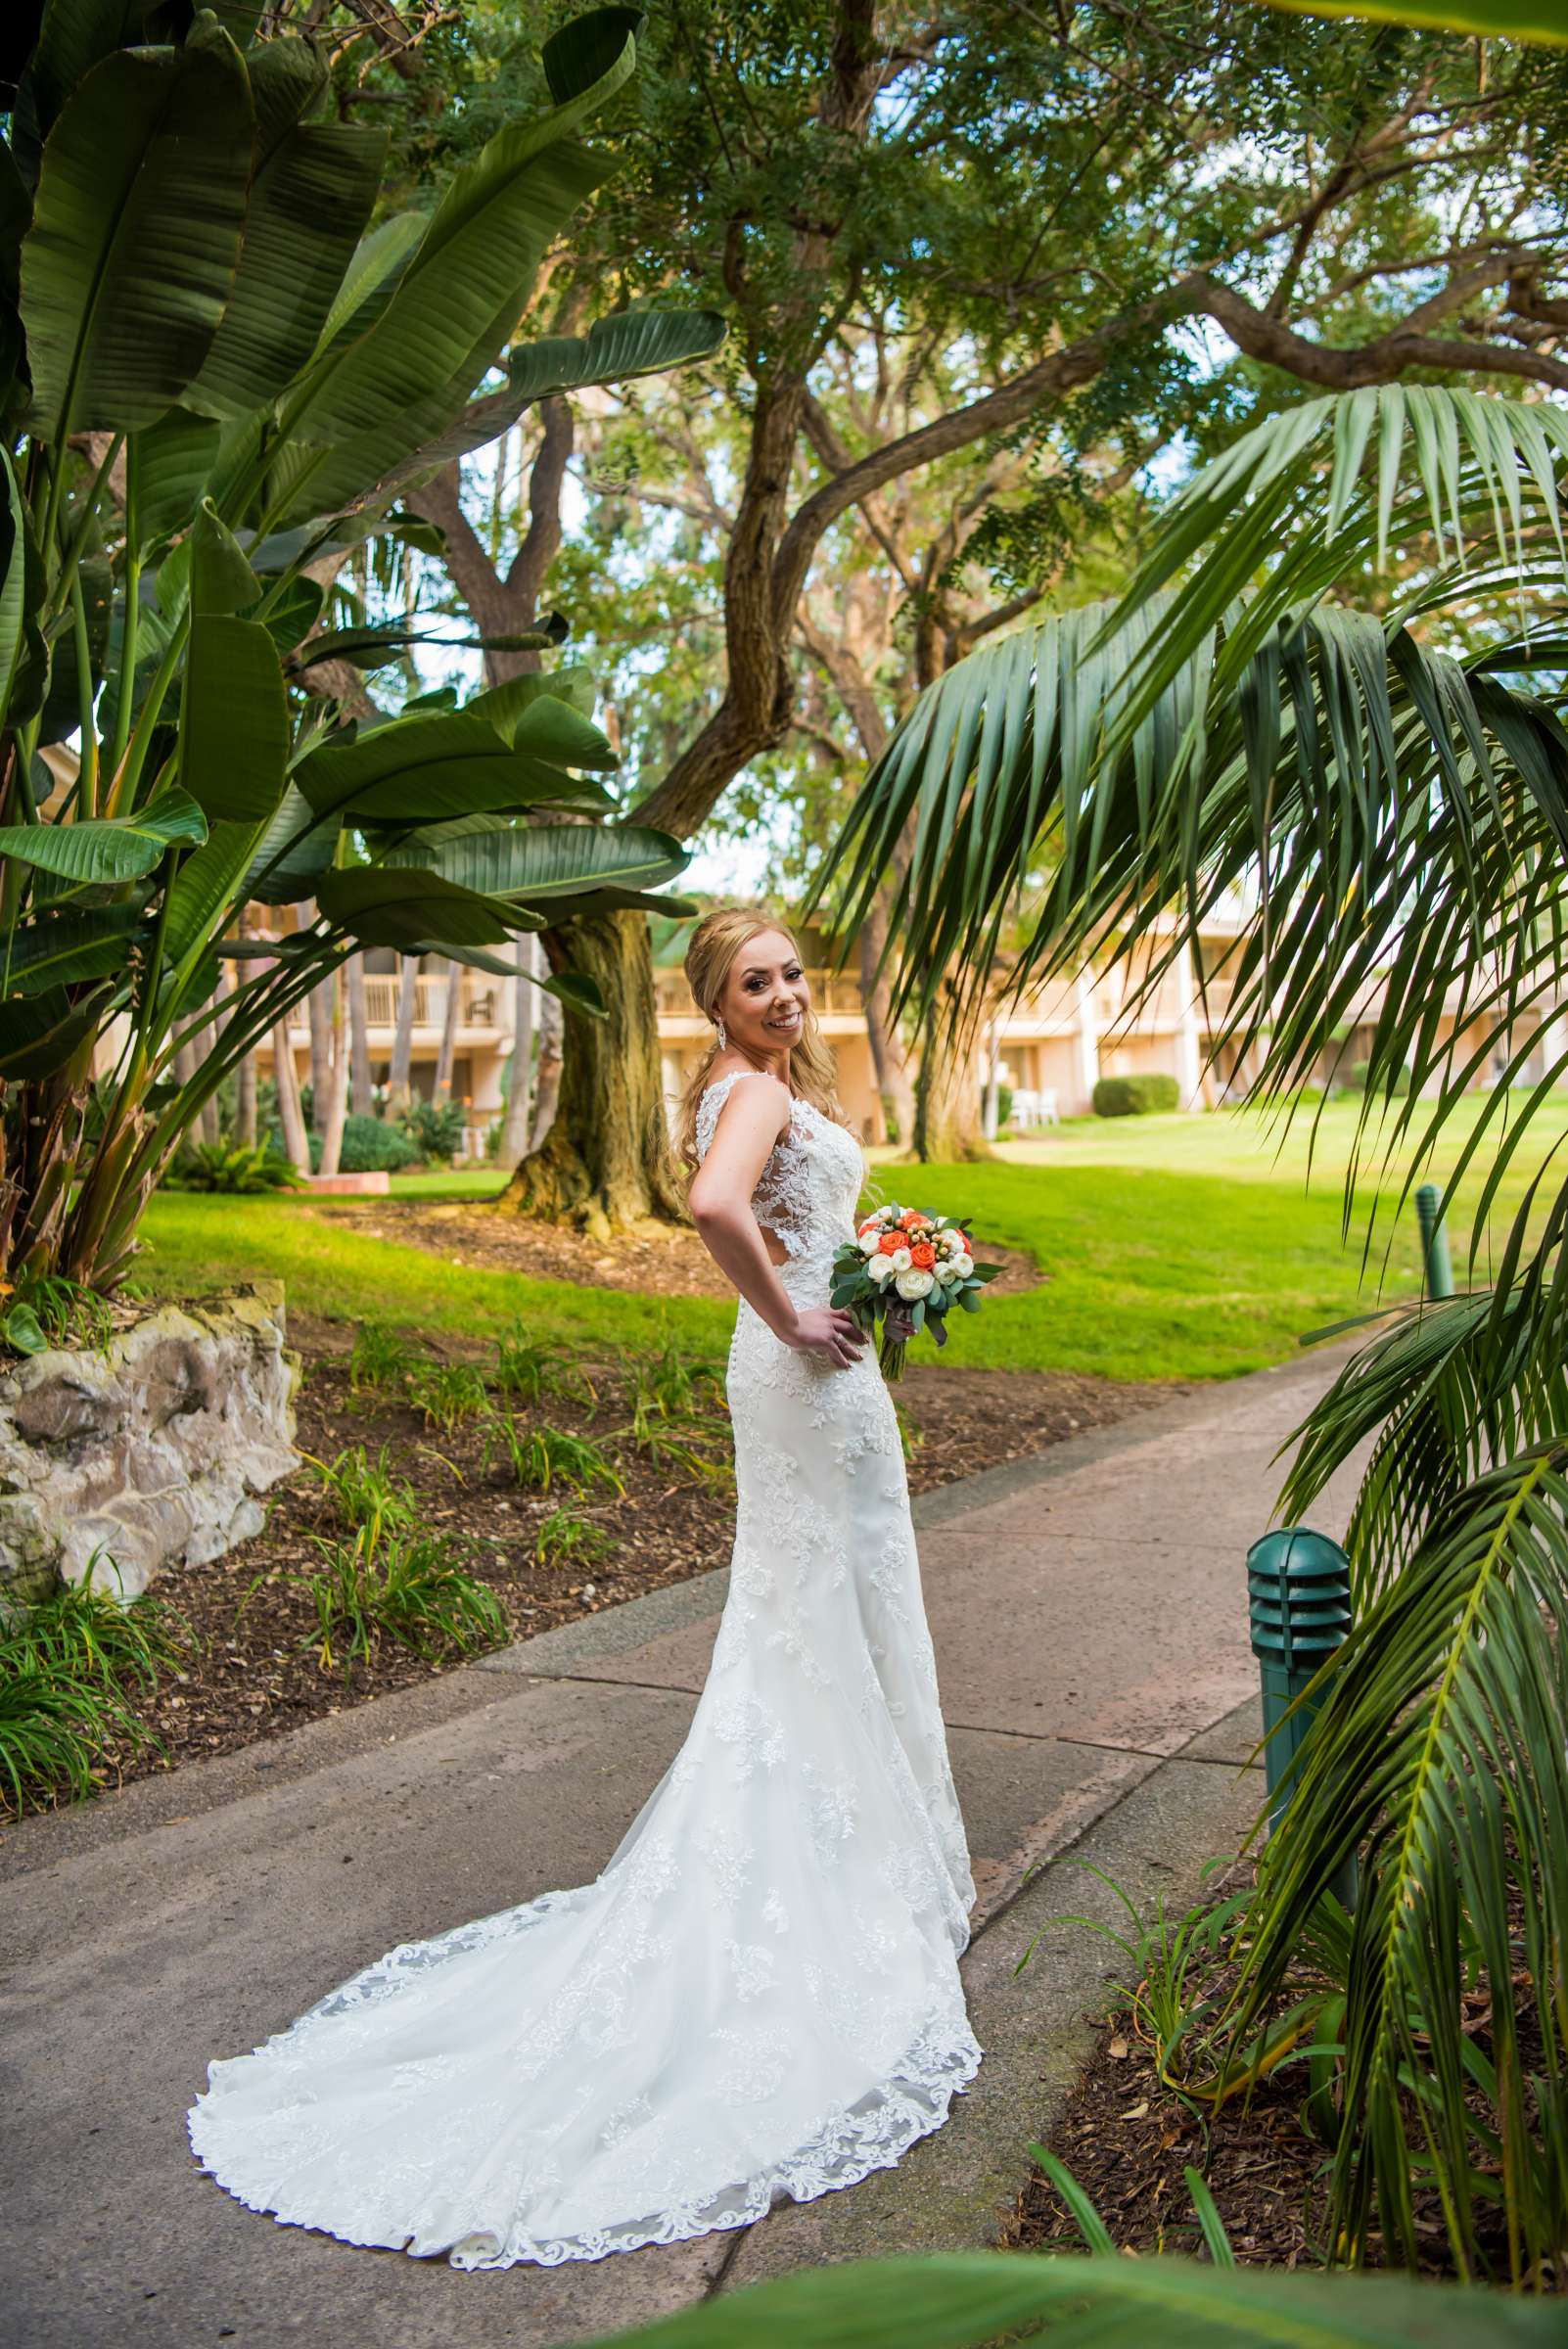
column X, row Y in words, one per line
column 1298, row 1585
column 1435, row 1264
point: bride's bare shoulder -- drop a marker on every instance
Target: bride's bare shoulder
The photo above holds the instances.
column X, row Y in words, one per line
column 767, row 1087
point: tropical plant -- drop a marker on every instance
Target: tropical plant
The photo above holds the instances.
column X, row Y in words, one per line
column 380, row 1358
column 1382, row 795
column 69, row 1667
column 970, row 2300
column 239, row 1168
column 433, row 1129
column 400, row 1583
column 196, row 431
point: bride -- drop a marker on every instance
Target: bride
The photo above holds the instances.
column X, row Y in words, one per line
column 759, row 1997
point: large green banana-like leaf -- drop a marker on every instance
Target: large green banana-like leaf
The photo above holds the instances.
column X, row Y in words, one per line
column 292, row 854
column 16, row 209
column 629, row 344
column 39, row 1034
column 103, row 848
column 312, row 186
column 967, row 2301
column 167, row 466
column 384, row 908
column 206, row 889
column 73, row 37
column 502, row 706
column 544, row 861
column 1497, row 19
column 23, row 659
column 234, row 739
column 378, row 261
column 61, row 948
column 135, row 234
column 369, row 403
column 425, row 770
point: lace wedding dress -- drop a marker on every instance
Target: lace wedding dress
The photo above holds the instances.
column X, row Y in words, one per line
column 759, row 1997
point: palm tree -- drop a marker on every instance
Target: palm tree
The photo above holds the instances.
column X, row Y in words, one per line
column 1391, row 787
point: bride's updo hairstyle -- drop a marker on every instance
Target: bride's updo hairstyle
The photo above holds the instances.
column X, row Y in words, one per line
column 709, row 958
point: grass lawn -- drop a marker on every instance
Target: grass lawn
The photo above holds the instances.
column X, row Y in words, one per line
column 1176, row 1247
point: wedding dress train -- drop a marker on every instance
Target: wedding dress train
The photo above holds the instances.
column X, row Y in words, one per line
column 760, row 1997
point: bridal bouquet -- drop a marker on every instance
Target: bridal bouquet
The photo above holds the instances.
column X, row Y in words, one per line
column 906, row 1270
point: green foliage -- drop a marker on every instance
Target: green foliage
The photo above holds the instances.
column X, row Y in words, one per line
column 971, row 2300
column 543, row 1456
column 70, row 1664
column 235, row 1168
column 433, row 1129
column 1136, row 1096
column 366, row 1495
column 380, row 1358
column 1400, row 783
column 447, row 1393
column 567, row 1538
column 527, row 1370
column 402, row 1584
column 267, row 394
column 372, row 1145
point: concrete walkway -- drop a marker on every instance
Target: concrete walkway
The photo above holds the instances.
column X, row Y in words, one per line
column 1089, row 1613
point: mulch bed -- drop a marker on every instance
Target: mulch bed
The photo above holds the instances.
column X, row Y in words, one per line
column 660, row 1259
column 1127, row 2138
column 254, row 1675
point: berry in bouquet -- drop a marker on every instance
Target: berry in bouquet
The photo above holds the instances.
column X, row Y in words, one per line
column 906, row 1269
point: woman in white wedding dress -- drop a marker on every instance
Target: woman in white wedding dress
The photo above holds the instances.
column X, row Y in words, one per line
column 759, row 1997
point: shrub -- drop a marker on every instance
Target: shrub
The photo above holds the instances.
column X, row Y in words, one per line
column 1005, row 1105
column 1136, row 1096
column 435, row 1128
column 237, row 1168
column 370, row 1146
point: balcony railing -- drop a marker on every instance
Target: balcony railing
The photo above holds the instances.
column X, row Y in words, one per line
column 481, row 1002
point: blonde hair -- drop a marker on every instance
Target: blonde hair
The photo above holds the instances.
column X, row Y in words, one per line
column 709, row 958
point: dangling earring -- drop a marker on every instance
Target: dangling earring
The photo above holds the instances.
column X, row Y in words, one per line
column 723, row 1040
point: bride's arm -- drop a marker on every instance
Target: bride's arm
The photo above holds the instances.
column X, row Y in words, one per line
column 750, row 1122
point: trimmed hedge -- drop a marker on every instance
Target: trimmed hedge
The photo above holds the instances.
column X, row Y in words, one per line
column 1136, row 1096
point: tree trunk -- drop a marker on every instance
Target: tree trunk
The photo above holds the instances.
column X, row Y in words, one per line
column 888, row 1057
column 291, row 1116
column 452, row 1012
column 319, row 1004
column 244, row 1073
column 363, row 1088
column 403, row 1052
column 547, row 1090
column 337, row 1108
column 520, row 1084
column 946, row 1124
column 606, row 1161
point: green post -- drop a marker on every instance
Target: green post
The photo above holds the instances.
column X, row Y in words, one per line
column 1435, row 1264
column 1298, row 1585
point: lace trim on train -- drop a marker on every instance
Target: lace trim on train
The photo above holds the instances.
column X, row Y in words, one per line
column 873, row 2134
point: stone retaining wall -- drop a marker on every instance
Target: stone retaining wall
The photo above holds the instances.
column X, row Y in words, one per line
column 149, row 1451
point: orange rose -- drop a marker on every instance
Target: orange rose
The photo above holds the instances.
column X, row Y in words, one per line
column 889, row 1243
column 909, row 1217
column 922, row 1256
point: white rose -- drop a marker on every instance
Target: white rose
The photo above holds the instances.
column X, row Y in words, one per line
column 900, row 1259
column 915, row 1284
column 963, row 1266
column 871, row 1243
column 880, row 1269
column 947, row 1273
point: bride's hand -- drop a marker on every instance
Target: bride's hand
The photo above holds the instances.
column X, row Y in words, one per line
column 828, row 1330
